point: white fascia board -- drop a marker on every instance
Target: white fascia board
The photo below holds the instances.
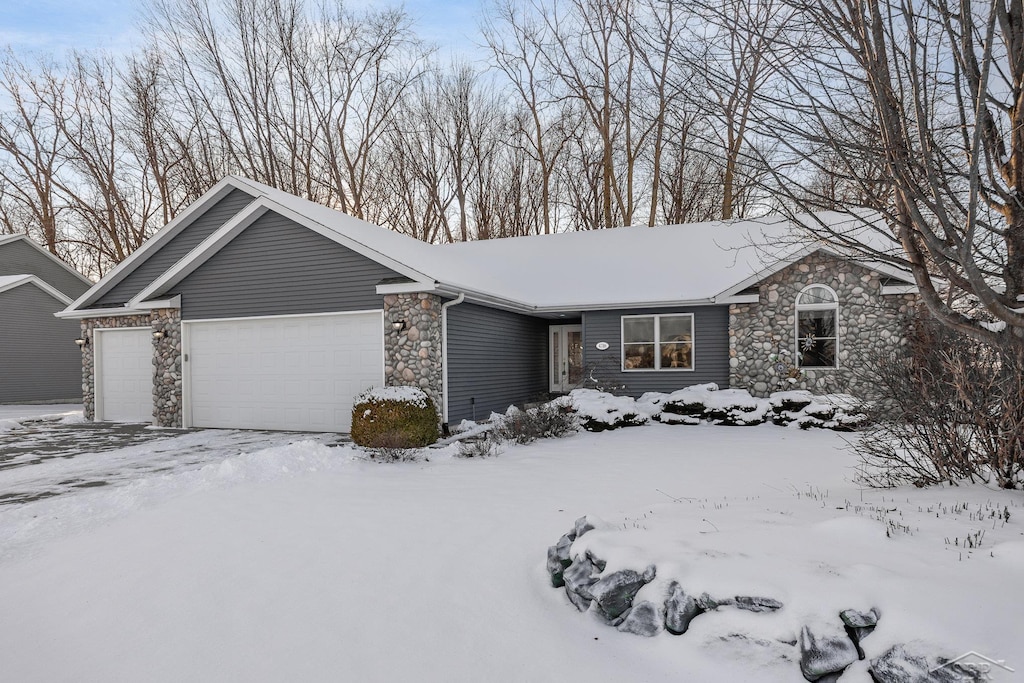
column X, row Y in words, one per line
column 41, row 284
column 180, row 222
column 202, row 252
column 173, row 302
column 347, row 242
column 407, row 288
column 100, row 312
column 739, row 299
column 899, row 289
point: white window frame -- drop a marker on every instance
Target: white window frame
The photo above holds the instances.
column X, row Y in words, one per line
column 802, row 307
column 657, row 342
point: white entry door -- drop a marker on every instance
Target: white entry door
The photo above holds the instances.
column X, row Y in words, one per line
column 123, row 367
column 566, row 344
column 285, row 372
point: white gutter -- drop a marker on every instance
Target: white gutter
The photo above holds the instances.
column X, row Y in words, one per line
column 444, row 353
column 101, row 312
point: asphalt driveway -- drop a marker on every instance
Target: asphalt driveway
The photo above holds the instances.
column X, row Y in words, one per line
column 46, row 457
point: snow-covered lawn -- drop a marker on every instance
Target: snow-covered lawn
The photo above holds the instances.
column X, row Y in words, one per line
column 306, row 563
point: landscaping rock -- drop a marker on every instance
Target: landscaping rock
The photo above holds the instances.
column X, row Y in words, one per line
column 858, row 625
column 680, row 609
column 598, row 563
column 645, row 619
column 614, row 593
column 822, row 655
column 756, row 604
column 558, row 560
column 578, row 579
column 899, row 666
column 708, row 603
column 582, row 526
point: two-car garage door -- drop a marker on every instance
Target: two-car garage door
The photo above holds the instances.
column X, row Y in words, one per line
column 285, row 372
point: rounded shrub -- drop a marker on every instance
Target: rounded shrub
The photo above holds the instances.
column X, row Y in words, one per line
column 394, row 417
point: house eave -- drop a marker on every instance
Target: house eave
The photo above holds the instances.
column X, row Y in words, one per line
column 101, row 313
column 899, row 289
column 407, row 288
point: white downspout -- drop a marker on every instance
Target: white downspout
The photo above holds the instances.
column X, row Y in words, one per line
column 444, row 353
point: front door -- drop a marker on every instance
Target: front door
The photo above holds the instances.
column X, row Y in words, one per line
column 566, row 357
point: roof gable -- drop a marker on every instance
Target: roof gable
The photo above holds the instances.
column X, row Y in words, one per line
column 11, row 282
column 168, row 247
column 255, row 274
column 20, row 255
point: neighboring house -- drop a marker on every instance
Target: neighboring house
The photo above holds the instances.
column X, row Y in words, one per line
column 39, row 361
column 257, row 309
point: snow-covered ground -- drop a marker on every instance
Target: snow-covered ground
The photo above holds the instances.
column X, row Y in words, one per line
column 11, row 415
column 306, row 562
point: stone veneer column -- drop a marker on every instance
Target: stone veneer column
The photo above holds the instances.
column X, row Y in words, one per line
column 166, row 362
column 412, row 357
column 869, row 323
column 167, row 367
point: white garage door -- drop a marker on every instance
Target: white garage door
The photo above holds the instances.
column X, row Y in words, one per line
column 124, row 375
column 288, row 372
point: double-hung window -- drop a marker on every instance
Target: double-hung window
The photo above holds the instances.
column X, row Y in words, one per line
column 817, row 317
column 657, row 342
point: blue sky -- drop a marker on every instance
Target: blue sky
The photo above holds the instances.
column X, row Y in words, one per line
column 58, row 25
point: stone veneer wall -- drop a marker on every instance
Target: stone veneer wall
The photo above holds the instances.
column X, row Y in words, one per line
column 412, row 357
column 869, row 323
column 166, row 362
column 167, row 402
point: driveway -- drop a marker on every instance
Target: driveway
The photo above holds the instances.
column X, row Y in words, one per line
column 46, row 457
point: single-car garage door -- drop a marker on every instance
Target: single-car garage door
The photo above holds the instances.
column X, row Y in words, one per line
column 124, row 374
column 286, row 372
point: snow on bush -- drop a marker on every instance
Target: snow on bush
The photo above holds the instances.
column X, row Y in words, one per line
column 394, row 418
column 599, row 411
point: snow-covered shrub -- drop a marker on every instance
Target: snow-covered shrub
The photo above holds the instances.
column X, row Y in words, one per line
column 689, row 401
column 599, row 411
column 394, row 417
column 735, row 408
column 838, row 412
column 550, row 420
column 478, row 448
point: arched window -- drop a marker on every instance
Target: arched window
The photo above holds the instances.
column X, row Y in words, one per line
column 817, row 319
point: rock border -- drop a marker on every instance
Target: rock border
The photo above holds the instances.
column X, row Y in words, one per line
column 824, row 653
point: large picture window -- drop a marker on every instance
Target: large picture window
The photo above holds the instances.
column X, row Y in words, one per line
column 657, row 342
column 817, row 316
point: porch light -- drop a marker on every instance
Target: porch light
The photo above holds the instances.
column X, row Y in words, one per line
column 158, row 335
column 82, row 341
column 399, row 325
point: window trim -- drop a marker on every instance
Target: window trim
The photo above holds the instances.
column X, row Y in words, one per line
column 657, row 342
column 798, row 308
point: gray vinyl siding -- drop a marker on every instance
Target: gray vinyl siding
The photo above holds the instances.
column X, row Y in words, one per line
column 710, row 351
column 19, row 258
column 277, row 267
column 39, row 360
column 170, row 253
column 495, row 359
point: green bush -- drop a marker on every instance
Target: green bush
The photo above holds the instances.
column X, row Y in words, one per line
column 394, row 417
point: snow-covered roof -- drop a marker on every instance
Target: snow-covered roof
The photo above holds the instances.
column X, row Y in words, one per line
column 698, row 263
column 629, row 266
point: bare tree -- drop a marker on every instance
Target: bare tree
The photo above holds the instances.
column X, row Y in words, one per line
column 32, row 147
column 933, row 92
